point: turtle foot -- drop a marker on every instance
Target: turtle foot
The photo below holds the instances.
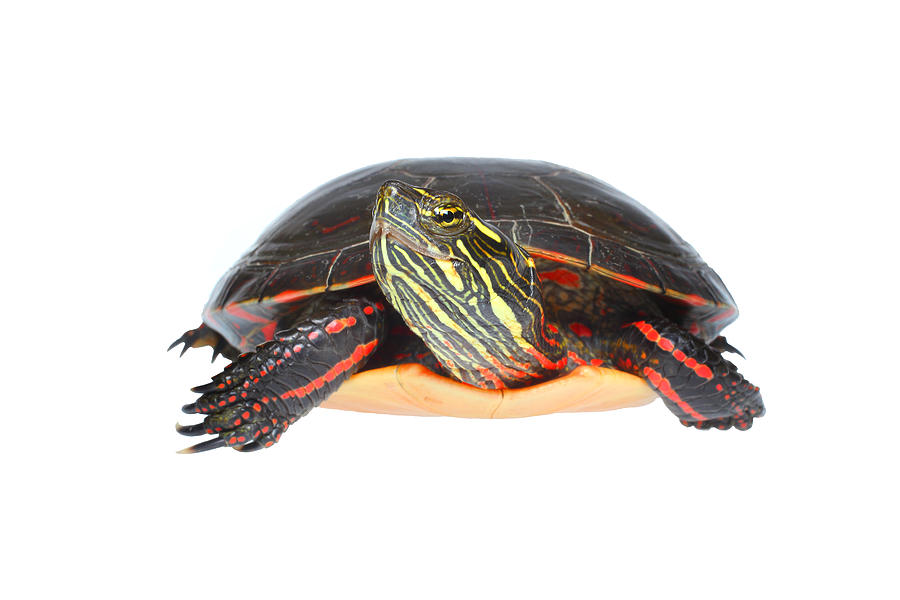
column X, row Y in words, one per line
column 204, row 336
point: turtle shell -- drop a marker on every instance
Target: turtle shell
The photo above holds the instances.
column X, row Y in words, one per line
column 320, row 243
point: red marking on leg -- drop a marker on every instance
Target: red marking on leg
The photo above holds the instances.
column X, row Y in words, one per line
column 269, row 331
column 340, row 324
column 580, row 329
column 368, row 310
column 563, row 277
column 596, row 362
column 313, row 335
column 352, row 219
column 361, row 351
column 662, row 384
column 703, row 371
column 576, row 359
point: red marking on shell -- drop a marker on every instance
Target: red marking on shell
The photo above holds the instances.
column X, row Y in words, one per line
column 596, row 362
column 379, row 306
column 294, row 295
column 679, row 355
column 221, row 403
column 352, row 219
column 665, row 344
column 694, row 300
column 563, row 277
column 235, row 309
column 368, row 310
column 269, row 443
column 313, row 335
column 719, row 387
column 232, row 440
column 723, row 315
column 633, row 281
column 662, row 384
column 580, row 329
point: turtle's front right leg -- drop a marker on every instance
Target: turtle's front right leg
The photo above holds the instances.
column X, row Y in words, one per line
column 253, row 401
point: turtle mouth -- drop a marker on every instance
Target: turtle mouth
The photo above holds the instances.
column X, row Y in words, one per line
column 384, row 229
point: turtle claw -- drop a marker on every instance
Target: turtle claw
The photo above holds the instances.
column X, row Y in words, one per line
column 204, row 446
column 722, row 345
column 192, row 430
column 204, row 336
column 251, row 447
column 212, row 386
column 190, row 409
column 218, row 349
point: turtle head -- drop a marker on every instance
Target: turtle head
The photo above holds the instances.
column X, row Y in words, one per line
column 472, row 294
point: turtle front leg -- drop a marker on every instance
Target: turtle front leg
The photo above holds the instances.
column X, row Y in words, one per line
column 695, row 381
column 253, row 401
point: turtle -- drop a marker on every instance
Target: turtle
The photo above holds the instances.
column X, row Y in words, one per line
column 479, row 274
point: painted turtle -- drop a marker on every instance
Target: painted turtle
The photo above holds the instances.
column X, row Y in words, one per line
column 502, row 274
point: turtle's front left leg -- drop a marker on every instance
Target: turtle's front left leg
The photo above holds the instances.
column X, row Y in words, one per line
column 695, row 381
column 251, row 403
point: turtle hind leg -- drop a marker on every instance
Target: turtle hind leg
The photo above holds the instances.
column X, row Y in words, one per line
column 204, row 336
column 695, row 381
column 253, row 401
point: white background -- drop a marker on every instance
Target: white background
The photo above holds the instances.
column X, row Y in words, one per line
column 144, row 147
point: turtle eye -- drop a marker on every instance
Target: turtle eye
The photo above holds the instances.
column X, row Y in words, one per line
column 446, row 219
